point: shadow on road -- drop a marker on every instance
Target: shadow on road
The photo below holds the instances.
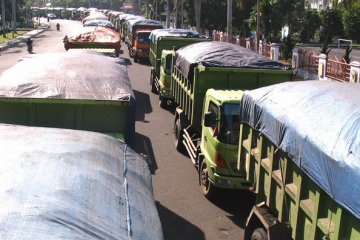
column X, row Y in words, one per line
column 143, row 105
column 237, row 204
column 143, row 146
column 176, row 227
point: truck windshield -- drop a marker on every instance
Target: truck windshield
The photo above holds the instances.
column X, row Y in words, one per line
column 144, row 37
column 229, row 124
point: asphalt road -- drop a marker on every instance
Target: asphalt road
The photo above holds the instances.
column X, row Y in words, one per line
column 184, row 212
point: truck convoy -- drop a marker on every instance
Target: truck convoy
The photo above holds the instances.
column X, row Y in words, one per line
column 221, row 67
column 72, row 184
column 171, row 40
column 65, row 90
column 299, row 147
column 137, row 38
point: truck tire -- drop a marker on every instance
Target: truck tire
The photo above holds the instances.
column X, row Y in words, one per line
column 162, row 102
column 259, row 234
column 178, row 136
column 117, row 53
column 152, row 84
column 207, row 188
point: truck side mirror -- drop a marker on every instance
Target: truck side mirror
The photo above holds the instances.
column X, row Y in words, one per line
column 208, row 119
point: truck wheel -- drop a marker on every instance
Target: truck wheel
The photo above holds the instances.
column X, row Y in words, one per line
column 259, row 234
column 207, row 187
column 117, row 52
column 178, row 136
column 162, row 102
column 152, row 84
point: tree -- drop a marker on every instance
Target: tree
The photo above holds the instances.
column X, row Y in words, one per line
column 310, row 25
column 351, row 22
column 331, row 24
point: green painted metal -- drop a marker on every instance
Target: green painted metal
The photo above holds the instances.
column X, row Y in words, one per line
column 167, row 43
column 190, row 95
column 294, row 198
column 91, row 115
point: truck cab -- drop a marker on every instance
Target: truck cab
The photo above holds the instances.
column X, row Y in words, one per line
column 164, row 82
column 141, row 44
column 219, row 142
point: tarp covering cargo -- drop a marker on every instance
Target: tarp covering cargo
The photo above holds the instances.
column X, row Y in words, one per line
column 317, row 123
column 99, row 22
column 170, row 32
column 71, row 184
column 221, row 54
column 93, row 37
column 69, row 90
column 132, row 24
column 95, row 16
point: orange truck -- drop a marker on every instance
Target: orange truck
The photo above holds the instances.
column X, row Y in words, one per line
column 137, row 37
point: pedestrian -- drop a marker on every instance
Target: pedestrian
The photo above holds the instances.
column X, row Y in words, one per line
column 29, row 43
column 48, row 19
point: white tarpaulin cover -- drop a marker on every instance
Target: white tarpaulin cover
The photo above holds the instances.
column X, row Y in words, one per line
column 71, row 184
column 171, row 32
column 68, row 76
column 317, row 123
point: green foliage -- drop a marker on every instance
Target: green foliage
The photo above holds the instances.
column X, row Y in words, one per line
column 310, row 24
column 331, row 23
column 287, row 45
column 351, row 20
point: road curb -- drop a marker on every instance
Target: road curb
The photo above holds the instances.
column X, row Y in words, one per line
column 16, row 41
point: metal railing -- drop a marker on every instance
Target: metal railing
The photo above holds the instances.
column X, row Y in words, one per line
column 338, row 70
column 309, row 61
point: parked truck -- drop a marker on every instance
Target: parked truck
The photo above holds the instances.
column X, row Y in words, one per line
column 222, row 67
column 137, row 38
column 70, row 90
column 73, row 184
column 170, row 40
column 299, row 146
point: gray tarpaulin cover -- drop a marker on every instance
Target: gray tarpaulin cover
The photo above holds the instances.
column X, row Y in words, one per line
column 170, row 32
column 68, row 76
column 221, row 54
column 71, row 184
column 318, row 124
column 133, row 23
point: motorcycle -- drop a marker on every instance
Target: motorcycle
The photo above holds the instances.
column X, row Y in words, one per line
column 58, row 26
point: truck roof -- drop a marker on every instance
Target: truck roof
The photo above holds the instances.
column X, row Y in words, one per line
column 67, row 76
column 221, row 55
column 170, row 32
column 71, row 184
column 317, row 123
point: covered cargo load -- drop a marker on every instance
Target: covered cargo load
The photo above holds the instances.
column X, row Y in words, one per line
column 317, row 124
column 69, row 90
column 93, row 37
column 171, row 32
column 299, row 145
column 222, row 55
column 133, row 24
column 71, row 184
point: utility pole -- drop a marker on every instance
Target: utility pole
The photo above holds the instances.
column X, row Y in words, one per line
column 257, row 25
column 197, row 14
column 229, row 21
column 14, row 17
column 167, row 13
column 3, row 17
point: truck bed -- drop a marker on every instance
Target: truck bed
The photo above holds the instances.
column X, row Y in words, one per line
column 299, row 143
column 69, row 90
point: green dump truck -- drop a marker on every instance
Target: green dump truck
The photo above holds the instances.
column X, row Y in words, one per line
column 70, row 90
column 73, row 184
column 299, row 146
column 167, row 39
column 221, row 67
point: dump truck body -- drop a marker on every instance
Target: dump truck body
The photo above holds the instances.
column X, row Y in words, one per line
column 137, row 38
column 198, row 68
column 299, row 146
column 73, row 184
column 167, row 39
column 69, row 90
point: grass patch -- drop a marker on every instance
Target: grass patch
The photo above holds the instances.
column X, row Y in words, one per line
column 10, row 35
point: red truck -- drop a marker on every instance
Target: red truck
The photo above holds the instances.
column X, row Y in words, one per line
column 137, row 37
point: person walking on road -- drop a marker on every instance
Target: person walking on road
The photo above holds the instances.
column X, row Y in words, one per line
column 29, row 43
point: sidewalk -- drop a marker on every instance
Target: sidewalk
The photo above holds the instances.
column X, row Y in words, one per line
column 16, row 41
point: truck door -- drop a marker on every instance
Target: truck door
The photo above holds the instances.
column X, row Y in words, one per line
column 209, row 134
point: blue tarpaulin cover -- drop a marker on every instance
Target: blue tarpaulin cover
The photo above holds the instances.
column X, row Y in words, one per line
column 221, row 54
column 317, row 123
column 72, row 184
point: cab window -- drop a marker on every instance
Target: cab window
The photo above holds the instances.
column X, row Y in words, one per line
column 230, row 124
column 213, row 108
